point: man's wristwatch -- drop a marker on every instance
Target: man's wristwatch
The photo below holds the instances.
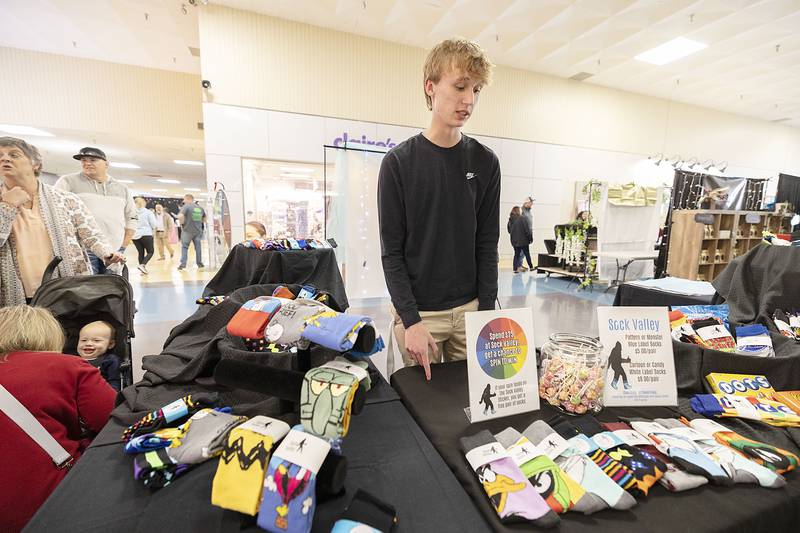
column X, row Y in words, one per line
column 121, row 249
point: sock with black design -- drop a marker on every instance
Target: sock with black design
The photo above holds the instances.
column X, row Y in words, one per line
column 171, row 414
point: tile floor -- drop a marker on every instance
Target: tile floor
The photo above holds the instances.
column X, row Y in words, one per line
column 557, row 304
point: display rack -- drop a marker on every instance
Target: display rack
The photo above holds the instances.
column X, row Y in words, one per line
column 700, row 251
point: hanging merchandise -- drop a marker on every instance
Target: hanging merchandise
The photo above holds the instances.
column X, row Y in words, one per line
column 632, row 195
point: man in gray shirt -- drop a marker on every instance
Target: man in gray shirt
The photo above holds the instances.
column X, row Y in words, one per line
column 192, row 218
column 108, row 200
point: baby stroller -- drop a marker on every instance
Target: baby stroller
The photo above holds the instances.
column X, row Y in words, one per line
column 76, row 301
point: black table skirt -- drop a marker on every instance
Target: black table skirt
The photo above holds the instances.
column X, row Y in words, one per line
column 387, row 453
column 635, row 295
column 248, row 266
column 438, row 408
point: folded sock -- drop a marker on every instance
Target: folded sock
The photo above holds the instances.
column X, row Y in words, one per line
column 713, row 334
column 162, row 438
column 776, row 459
column 366, row 514
column 561, row 492
column 262, row 346
column 754, row 340
column 210, row 300
column 326, row 398
column 288, row 500
column 239, row 480
column 740, row 469
column 682, row 450
column 748, row 407
column 156, row 469
column 283, row 292
column 171, row 414
column 578, row 467
column 336, row 331
column 287, row 325
column 204, row 436
column 253, row 316
column 674, row 479
column 618, row 472
column 511, row 495
column 646, row 468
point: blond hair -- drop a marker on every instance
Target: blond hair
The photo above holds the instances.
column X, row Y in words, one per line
column 460, row 54
column 29, row 329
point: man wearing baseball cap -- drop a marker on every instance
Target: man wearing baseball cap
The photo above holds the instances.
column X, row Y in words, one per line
column 107, row 199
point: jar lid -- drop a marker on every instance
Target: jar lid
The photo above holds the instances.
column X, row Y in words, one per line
column 577, row 343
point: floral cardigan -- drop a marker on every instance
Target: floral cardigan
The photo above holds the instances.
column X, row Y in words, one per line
column 72, row 230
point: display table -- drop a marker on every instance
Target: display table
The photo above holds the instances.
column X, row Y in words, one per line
column 248, row 266
column 663, row 292
column 387, row 453
column 438, row 407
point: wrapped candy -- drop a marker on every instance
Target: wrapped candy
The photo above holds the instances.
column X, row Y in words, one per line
column 571, row 377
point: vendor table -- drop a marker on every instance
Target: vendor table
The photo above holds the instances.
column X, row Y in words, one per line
column 663, row 292
column 623, row 260
column 249, row 266
column 387, row 455
column 438, row 407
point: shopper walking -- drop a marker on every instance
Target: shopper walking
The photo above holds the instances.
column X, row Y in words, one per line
column 164, row 227
column 39, row 222
column 439, row 211
column 65, row 394
column 526, row 220
column 106, row 198
column 519, row 231
column 192, row 219
column 143, row 238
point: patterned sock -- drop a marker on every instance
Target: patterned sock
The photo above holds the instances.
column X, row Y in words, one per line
column 337, row 331
column 262, row 346
column 283, row 292
column 239, row 480
column 713, row 334
column 156, row 469
column 578, row 467
column 252, row 318
column 645, row 467
column 754, row 340
column 162, row 438
column 204, row 437
column 748, row 407
column 674, row 479
column 676, row 318
column 772, row 457
column 287, row 325
column 210, row 300
column 682, row 450
column 288, row 501
column 326, row 398
column 740, row 469
column 511, row 495
column 618, row 472
column 560, row 491
column 172, row 413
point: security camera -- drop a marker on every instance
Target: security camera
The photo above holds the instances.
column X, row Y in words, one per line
column 206, row 84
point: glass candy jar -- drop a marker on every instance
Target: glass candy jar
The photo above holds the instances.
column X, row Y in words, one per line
column 572, row 374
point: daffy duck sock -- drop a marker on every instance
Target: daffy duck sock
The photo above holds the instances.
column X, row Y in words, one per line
column 511, row 495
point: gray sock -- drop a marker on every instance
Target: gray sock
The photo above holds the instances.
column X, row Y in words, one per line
column 205, row 437
column 287, row 325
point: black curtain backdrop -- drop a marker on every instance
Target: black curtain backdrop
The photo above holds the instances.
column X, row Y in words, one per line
column 788, row 190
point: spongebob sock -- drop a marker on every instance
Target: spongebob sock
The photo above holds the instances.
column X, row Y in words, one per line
column 561, row 492
column 509, row 491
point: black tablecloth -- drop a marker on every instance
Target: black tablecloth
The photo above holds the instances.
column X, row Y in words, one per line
column 248, row 266
column 438, row 408
column 635, row 295
column 387, row 453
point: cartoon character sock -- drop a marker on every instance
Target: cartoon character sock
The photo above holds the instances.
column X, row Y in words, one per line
column 204, row 436
column 674, row 479
column 776, row 459
column 645, row 467
column 162, row 438
column 171, row 413
column 252, row 318
column 239, row 481
column 511, row 495
column 618, row 472
column 754, row 340
column 156, row 469
column 283, row 292
column 682, row 450
column 578, row 467
column 337, row 331
column 560, row 491
column 326, row 397
column 287, row 325
column 288, row 501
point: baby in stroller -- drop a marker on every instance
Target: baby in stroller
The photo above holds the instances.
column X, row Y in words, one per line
column 94, row 342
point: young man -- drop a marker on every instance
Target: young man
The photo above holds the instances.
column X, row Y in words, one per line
column 107, row 199
column 191, row 218
column 438, row 209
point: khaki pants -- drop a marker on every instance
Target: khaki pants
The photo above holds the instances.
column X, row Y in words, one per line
column 162, row 239
column 446, row 327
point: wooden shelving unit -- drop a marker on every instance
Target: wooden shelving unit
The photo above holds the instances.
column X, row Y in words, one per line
column 698, row 252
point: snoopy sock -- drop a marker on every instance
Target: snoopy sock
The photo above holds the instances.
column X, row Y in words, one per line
column 288, row 501
column 511, row 495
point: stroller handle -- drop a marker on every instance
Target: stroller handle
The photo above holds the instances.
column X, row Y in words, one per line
column 51, row 267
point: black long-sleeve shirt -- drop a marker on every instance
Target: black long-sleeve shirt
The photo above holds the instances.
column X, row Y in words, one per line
column 438, row 210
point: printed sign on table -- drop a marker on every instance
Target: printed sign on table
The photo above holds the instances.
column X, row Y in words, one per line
column 501, row 363
column 638, row 349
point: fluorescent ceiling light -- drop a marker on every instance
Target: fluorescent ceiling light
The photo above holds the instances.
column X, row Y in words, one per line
column 24, row 130
column 116, row 164
column 193, row 189
column 186, row 162
column 159, row 190
column 671, row 51
column 125, row 181
column 297, row 169
column 165, row 180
